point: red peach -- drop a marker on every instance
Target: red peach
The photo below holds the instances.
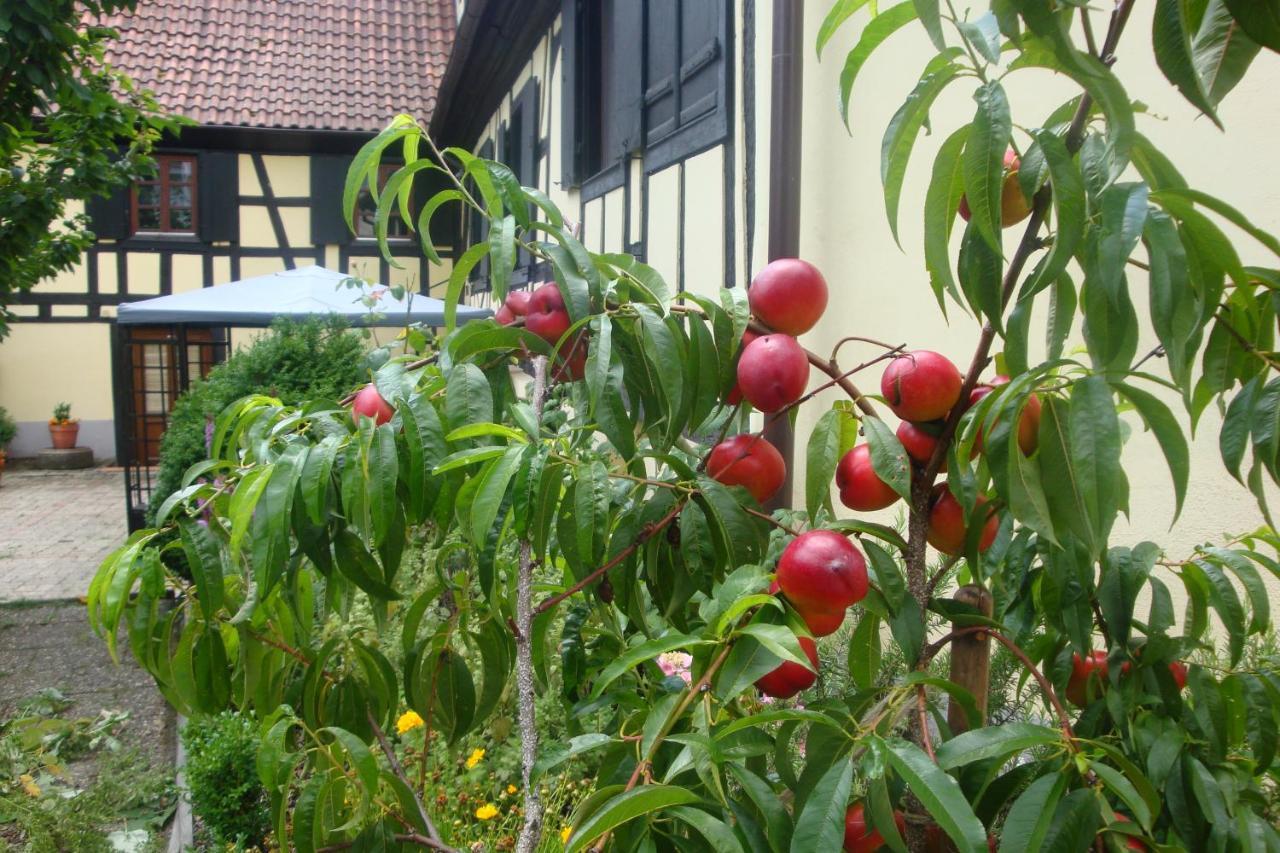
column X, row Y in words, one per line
column 369, row 403
column 947, row 530
column 921, row 386
column 789, row 295
column 860, row 487
column 789, row 678
column 773, row 372
column 821, row 570
column 749, row 461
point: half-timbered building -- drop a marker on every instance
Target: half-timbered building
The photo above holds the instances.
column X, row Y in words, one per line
column 282, row 94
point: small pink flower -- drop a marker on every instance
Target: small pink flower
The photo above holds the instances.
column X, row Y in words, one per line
column 676, row 663
column 766, row 699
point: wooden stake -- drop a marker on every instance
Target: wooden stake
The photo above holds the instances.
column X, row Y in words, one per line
column 971, row 661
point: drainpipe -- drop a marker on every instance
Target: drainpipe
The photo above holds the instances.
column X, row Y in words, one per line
column 786, row 101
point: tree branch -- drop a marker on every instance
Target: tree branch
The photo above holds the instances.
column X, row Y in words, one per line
column 398, row 770
column 531, row 831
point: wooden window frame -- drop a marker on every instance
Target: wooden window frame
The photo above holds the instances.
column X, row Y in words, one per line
column 162, row 181
column 385, row 171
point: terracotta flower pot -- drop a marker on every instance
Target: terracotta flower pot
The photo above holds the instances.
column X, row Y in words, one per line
column 63, row 436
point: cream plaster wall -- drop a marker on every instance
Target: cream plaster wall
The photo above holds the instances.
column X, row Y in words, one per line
column 883, row 292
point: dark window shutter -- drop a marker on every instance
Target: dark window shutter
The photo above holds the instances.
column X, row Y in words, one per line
column 571, row 101
column 622, row 75
column 328, row 220
column 661, row 83
column 109, row 215
column 701, row 59
column 218, row 219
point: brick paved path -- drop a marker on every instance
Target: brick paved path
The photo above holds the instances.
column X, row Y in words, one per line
column 55, row 528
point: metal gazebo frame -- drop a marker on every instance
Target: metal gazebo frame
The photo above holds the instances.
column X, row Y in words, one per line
column 160, row 346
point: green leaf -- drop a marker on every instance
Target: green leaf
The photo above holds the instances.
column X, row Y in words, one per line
column 468, row 397
column 1095, row 443
column 820, row 824
column 1260, row 19
column 931, row 18
column 457, row 279
column 204, row 556
column 983, row 33
column 821, row 458
column 780, row 640
column 359, row 566
column 838, row 14
column 636, row 655
column 1221, row 51
column 490, row 494
column 243, row 502
column 1069, row 209
column 364, row 167
column 864, row 652
column 717, row 833
column 1220, row 207
column 984, row 161
column 900, row 136
column 599, row 356
column 502, row 255
column 946, row 187
column 424, row 221
column 555, row 754
column 873, row 35
column 1029, row 819
column 994, row 742
column 362, row 760
column 1160, row 420
column 888, row 457
column 1175, row 308
column 627, row 806
column 776, row 819
column 939, row 793
column 1171, row 38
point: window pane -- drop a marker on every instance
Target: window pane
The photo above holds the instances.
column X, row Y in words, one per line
column 366, row 210
column 179, row 220
column 180, row 171
column 148, row 218
column 179, row 196
column 148, row 195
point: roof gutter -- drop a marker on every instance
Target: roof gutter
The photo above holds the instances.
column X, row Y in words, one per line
column 785, row 112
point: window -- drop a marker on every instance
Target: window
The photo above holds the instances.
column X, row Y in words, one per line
column 645, row 75
column 167, row 202
column 367, row 210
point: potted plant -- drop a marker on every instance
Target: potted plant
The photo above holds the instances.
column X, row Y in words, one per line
column 63, row 429
column 8, row 429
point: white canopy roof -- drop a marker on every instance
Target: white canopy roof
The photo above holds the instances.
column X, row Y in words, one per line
column 295, row 294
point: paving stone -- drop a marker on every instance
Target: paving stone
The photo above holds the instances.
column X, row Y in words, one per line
column 56, row 527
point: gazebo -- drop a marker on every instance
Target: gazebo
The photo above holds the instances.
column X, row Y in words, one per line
column 160, row 345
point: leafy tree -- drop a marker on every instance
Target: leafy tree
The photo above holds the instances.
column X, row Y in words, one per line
column 71, row 127
column 597, row 494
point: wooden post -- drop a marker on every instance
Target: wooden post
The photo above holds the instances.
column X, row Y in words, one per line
column 971, row 662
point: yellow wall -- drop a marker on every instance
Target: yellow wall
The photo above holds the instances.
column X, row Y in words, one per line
column 43, row 364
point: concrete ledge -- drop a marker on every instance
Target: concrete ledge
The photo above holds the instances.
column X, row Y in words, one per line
column 64, row 460
column 33, row 436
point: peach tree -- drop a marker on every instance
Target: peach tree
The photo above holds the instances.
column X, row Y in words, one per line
column 612, row 509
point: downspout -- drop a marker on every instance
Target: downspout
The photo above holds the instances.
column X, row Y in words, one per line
column 785, row 110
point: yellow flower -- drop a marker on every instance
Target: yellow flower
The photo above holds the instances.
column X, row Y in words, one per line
column 408, row 721
column 511, row 789
column 565, row 833
column 29, row 785
column 487, row 812
column 476, row 756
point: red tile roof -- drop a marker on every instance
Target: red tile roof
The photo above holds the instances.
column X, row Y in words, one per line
column 327, row 64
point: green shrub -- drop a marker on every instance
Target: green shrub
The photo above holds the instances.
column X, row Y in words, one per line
column 315, row 360
column 8, row 428
column 222, row 779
